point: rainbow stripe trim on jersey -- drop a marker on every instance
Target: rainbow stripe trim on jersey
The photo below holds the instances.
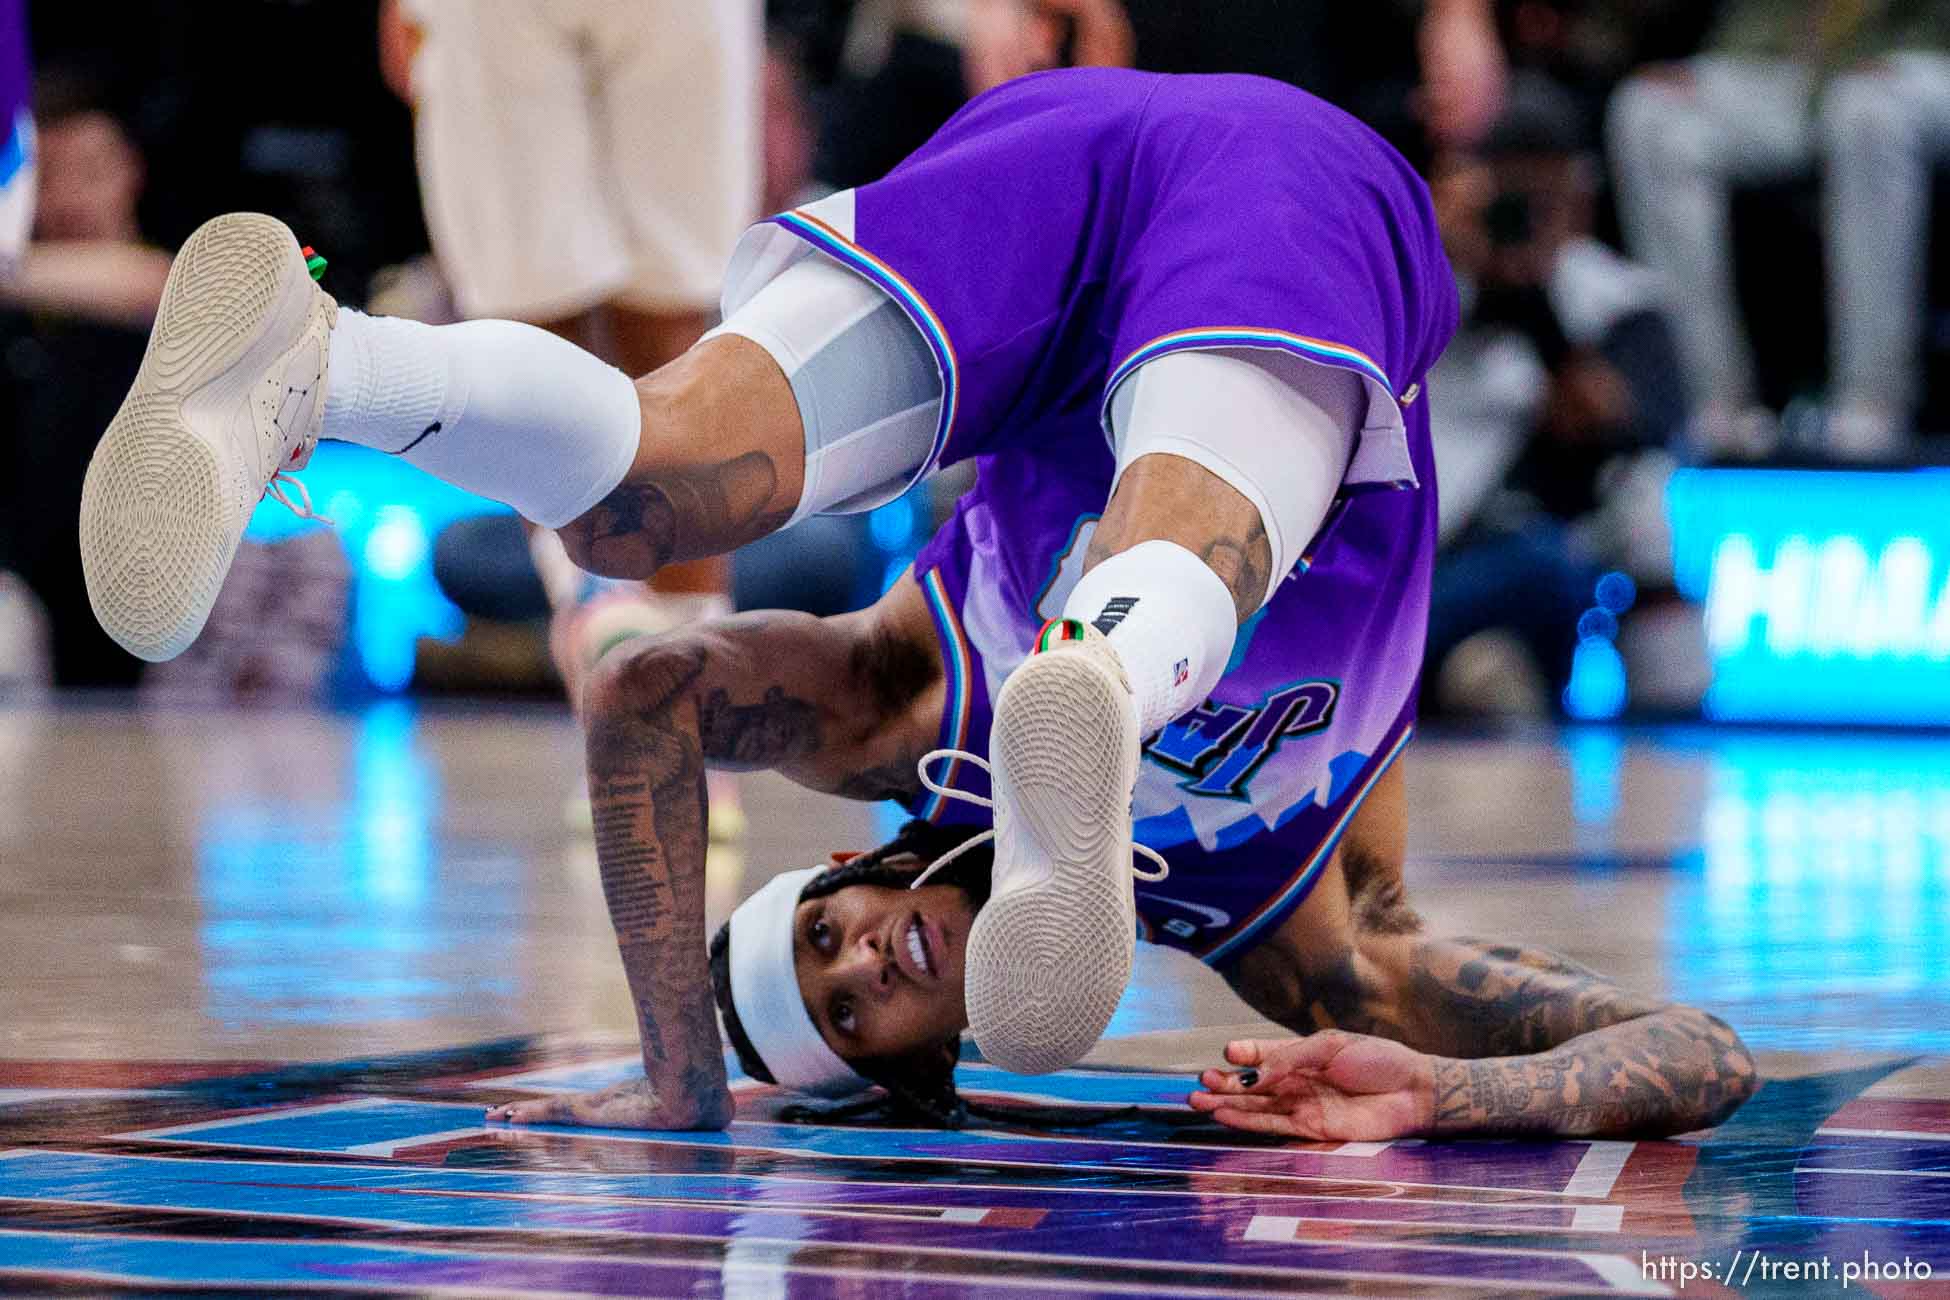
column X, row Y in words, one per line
column 957, row 660
column 1303, row 880
column 849, row 254
column 1336, row 354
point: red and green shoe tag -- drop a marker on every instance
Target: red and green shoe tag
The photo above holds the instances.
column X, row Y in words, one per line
column 1056, row 631
column 313, row 262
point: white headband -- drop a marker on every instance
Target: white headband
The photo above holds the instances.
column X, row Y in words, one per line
column 765, row 991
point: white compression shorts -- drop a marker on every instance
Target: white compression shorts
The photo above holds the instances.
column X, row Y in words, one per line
column 1278, row 429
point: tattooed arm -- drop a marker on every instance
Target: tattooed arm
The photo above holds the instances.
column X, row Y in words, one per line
column 821, row 700
column 1470, row 1037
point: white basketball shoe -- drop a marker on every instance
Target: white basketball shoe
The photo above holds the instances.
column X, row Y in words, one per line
column 229, row 397
column 1050, row 954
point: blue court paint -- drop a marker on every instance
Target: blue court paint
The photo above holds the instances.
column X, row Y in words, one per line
column 364, row 1126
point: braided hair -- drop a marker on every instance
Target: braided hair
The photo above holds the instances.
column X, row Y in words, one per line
column 916, row 1087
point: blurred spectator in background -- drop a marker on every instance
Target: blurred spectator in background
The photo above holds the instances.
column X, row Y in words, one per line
column 788, row 130
column 73, row 325
column 1562, row 369
column 894, row 70
column 587, row 166
column 1859, row 89
column 1426, row 74
column 73, row 322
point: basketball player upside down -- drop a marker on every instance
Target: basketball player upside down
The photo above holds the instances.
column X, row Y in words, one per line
column 1181, row 324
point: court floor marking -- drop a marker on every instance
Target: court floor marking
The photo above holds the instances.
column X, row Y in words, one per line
column 1597, row 1172
column 1595, row 1218
column 1267, row 1271
column 1286, row 1227
column 173, row 1131
column 1624, row 1274
column 780, row 1268
column 1897, row 1134
column 1070, row 1258
column 1602, row 1218
column 1597, row 1169
column 390, row 1146
column 1537, row 1195
column 28, row 1096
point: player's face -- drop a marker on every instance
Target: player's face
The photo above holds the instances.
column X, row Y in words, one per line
column 881, row 968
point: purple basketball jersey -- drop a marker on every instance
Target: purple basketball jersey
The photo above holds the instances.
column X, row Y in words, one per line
column 16, row 134
column 1059, row 232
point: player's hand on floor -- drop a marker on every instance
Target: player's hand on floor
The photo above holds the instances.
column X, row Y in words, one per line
column 1327, row 1087
column 630, row 1104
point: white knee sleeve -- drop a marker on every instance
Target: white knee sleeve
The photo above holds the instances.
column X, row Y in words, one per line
column 868, row 390
column 1279, row 430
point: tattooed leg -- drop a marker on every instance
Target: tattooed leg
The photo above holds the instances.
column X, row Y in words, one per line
column 1171, row 499
column 720, row 462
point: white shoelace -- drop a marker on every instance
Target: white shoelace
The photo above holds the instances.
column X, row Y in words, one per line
column 283, row 475
column 947, row 792
column 275, row 490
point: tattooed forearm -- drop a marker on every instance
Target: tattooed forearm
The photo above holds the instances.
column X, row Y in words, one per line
column 778, row 729
column 1669, row 1072
column 1524, row 1041
column 676, row 514
column 646, row 790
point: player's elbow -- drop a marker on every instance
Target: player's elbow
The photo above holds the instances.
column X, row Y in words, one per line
column 638, row 679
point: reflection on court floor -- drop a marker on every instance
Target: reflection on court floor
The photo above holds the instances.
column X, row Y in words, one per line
column 225, row 940
column 383, row 1175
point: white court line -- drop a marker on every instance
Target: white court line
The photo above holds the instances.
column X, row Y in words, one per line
column 1597, row 1218
column 1880, row 1173
column 391, row 1145
column 254, row 1117
column 1903, row 1134
column 1598, row 1170
column 1623, row 1274
column 22, row 1096
column 1286, row 1227
column 1272, row 1227
column 1359, row 1150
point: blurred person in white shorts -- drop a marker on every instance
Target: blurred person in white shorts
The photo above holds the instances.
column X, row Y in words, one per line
column 588, row 166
